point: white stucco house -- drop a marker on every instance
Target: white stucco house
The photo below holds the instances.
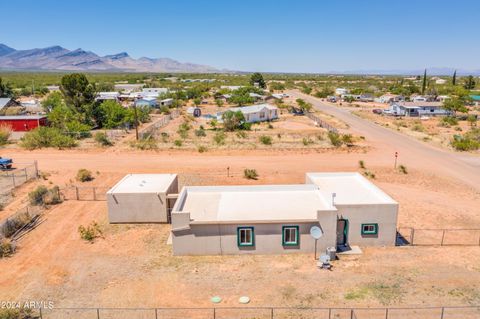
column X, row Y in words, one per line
column 255, row 113
column 413, row 109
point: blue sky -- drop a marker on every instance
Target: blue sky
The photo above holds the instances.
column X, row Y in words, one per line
column 261, row 35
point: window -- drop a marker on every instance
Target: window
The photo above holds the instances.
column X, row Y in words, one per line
column 369, row 229
column 290, row 235
column 262, row 115
column 245, row 236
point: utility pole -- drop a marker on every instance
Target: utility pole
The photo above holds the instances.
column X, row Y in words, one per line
column 136, row 121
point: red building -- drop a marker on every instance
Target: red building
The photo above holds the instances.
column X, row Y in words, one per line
column 23, row 123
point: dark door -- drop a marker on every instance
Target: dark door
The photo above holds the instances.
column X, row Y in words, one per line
column 342, row 232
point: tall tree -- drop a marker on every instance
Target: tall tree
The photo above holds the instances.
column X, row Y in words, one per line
column 424, row 84
column 78, row 92
column 469, row 83
column 5, row 89
column 454, row 78
column 258, row 78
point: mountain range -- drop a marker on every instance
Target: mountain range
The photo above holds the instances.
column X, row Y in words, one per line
column 61, row 59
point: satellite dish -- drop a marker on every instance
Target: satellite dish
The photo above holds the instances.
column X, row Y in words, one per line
column 316, row 232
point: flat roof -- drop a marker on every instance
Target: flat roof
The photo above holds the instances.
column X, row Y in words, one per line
column 350, row 188
column 265, row 203
column 143, row 183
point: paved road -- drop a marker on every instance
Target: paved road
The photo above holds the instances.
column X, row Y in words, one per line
column 412, row 152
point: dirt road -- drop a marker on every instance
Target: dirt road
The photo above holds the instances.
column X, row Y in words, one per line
column 412, row 153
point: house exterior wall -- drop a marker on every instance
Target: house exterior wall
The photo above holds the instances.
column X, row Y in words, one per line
column 256, row 117
column 221, row 239
column 384, row 215
column 137, row 208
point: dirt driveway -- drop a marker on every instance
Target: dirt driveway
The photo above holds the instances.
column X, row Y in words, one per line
column 413, row 153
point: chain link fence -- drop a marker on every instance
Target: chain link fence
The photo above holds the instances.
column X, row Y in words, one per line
column 154, row 127
column 438, row 237
column 87, row 193
column 318, row 121
column 466, row 312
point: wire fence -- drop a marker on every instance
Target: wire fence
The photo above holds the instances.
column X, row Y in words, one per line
column 438, row 237
column 86, row 193
column 318, row 121
column 465, row 312
column 12, row 178
column 162, row 122
column 10, row 225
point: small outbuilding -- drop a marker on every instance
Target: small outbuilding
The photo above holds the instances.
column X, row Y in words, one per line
column 142, row 198
column 23, row 123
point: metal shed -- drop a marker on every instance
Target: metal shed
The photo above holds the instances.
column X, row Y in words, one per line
column 142, row 198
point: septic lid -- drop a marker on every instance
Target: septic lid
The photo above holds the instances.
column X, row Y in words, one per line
column 216, row 299
column 244, row 300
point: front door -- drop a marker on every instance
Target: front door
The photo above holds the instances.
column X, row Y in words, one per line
column 342, row 232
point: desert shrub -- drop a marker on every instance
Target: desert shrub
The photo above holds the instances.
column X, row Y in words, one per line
column 403, row 169
column 47, row 137
column 447, row 121
column 307, row 141
column 102, row 139
column 200, row 132
column 5, row 132
column 265, row 140
column 418, row 127
column 270, row 126
column 84, row 175
column 320, row 136
column 78, row 130
column 36, row 196
column 461, row 143
column 146, row 143
column 241, row 134
column 7, row 248
column 347, row 139
column 90, row 232
column 335, row 139
column 219, row 138
column 52, row 197
column 164, row 136
column 369, row 174
column 249, row 173
column 202, row 149
column 232, row 120
column 177, row 143
column 165, row 109
column 361, row 164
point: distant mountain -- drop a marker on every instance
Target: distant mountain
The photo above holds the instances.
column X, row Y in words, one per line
column 58, row 58
column 430, row 71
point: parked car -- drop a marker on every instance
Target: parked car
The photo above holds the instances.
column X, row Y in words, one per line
column 377, row 111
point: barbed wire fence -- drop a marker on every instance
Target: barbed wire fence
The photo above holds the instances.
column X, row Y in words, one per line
column 464, row 312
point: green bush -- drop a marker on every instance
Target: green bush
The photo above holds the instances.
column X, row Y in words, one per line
column 202, row 149
column 47, row 137
column 447, row 121
column 78, row 130
column 241, row 134
column 5, row 132
column 102, row 139
column 36, row 196
column 461, row 143
column 347, row 139
column 250, row 173
column 265, row 140
column 335, row 139
column 219, row 138
column 178, row 143
column 369, row 174
column 361, row 164
column 23, row 313
column 307, row 141
column 91, row 232
column 84, row 175
column 200, row 132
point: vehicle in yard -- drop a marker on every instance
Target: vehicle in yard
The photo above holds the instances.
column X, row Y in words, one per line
column 5, row 163
column 377, row 111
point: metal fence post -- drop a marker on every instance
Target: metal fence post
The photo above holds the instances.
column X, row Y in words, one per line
column 26, row 175
column 35, row 163
column 329, row 313
column 214, row 313
column 443, row 237
column 94, row 195
column 386, row 313
column 413, row 234
column 76, row 192
column 98, row 313
column 443, row 310
column 351, row 313
column 156, row 313
column 271, row 313
column 13, row 179
column 40, row 313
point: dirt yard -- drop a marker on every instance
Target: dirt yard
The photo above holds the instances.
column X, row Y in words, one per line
column 132, row 266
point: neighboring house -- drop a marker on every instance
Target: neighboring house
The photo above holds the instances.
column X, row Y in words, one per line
column 475, row 99
column 274, row 97
column 389, row 98
column 256, row 96
column 157, row 91
column 440, row 81
column 104, row 96
column 419, row 98
column 146, row 101
column 366, row 97
column 255, row 113
column 417, row 109
column 166, row 102
column 341, row 91
column 276, row 219
column 142, row 198
column 128, row 88
column 231, row 87
column 7, row 102
column 23, row 123
column 53, row 88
